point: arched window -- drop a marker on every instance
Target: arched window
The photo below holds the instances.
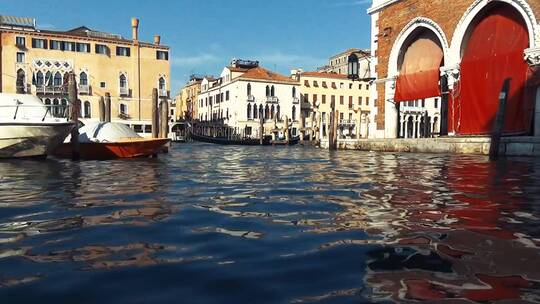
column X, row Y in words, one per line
column 294, row 113
column 20, row 82
column 162, row 83
column 278, row 110
column 87, row 109
column 39, row 79
column 267, row 112
column 267, row 91
column 57, row 79
column 249, row 89
column 261, row 112
column 255, row 112
column 56, row 108
column 272, row 112
column 294, row 92
column 273, row 91
column 48, row 79
column 48, row 104
column 249, row 111
column 83, row 79
column 123, row 81
column 63, row 108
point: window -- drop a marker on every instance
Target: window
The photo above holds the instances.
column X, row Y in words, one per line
column 324, row 85
column 360, row 100
column 423, row 103
column 436, row 103
column 68, row 46
column 248, row 131
column 20, row 41
column 83, row 79
column 249, row 111
column 56, row 45
column 102, row 85
column 278, row 112
column 57, row 81
column 162, row 55
column 294, row 92
column 39, row 79
column 83, row 47
column 314, row 98
column 294, row 113
column 123, row 109
column 39, row 43
column 273, row 91
column 255, row 112
column 227, row 95
column 249, row 89
column 87, row 110
column 20, row 82
column 123, row 51
column 123, row 81
column 367, row 101
column 340, row 116
column 350, row 102
column 20, row 57
column 102, row 49
column 161, row 84
column 323, row 101
column 367, row 86
column 341, row 100
column 341, row 85
column 316, row 83
column 267, row 91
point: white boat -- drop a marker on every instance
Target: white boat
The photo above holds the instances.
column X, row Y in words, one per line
column 27, row 127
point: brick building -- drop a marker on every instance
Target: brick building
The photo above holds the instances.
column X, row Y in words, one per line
column 472, row 45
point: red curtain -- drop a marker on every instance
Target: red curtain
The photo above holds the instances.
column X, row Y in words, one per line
column 419, row 75
column 493, row 53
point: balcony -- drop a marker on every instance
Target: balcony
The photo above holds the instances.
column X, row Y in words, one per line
column 124, row 91
column 251, row 98
column 272, row 99
column 49, row 90
column 24, row 89
column 84, row 89
column 124, row 116
column 347, row 123
column 163, row 93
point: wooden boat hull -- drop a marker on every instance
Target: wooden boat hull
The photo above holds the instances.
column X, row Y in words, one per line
column 115, row 150
column 226, row 141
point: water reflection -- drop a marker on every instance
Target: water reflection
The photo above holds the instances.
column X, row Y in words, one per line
column 252, row 224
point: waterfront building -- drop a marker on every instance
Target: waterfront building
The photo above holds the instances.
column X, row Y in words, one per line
column 455, row 58
column 350, row 98
column 337, row 64
column 38, row 61
column 185, row 102
column 246, row 93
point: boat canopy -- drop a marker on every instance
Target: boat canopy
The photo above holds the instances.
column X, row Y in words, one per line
column 105, row 132
column 22, row 107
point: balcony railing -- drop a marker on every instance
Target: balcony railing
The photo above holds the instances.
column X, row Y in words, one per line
column 24, row 89
column 84, row 89
column 162, row 93
column 49, row 90
column 347, row 122
column 272, row 99
column 124, row 116
column 124, row 91
column 251, row 98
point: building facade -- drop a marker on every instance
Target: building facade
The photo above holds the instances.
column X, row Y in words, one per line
column 185, row 102
column 245, row 94
column 458, row 54
column 38, row 62
column 350, row 98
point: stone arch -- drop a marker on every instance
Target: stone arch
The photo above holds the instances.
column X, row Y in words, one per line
column 460, row 33
column 403, row 38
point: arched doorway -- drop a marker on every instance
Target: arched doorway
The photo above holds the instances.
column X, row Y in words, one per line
column 492, row 51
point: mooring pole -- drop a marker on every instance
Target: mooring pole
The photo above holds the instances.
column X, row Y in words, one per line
column 499, row 121
column 101, row 109
column 155, row 117
column 331, row 125
column 108, row 107
column 74, row 117
column 445, row 95
column 261, row 128
column 164, row 119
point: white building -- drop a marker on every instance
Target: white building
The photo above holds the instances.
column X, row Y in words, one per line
column 244, row 93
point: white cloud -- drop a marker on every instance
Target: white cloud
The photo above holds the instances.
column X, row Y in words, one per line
column 47, row 26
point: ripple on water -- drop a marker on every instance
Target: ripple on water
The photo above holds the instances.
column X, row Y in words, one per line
column 270, row 225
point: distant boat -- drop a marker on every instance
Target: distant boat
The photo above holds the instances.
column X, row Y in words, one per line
column 103, row 141
column 27, row 127
column 230, row 141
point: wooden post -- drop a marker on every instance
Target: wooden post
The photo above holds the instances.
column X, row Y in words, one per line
column 335, row 128
column 108, row 107
column 155, row 114
column 74, row 115
column 164, row 119
column 444, row 106
column 101, row 109
column 499, row 121
column 398, row 119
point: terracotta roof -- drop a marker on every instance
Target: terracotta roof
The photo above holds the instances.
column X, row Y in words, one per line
column 264, row 74
column 235, row 69
column 324, row 75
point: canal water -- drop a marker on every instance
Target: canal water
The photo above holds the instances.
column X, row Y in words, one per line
column 212, row 224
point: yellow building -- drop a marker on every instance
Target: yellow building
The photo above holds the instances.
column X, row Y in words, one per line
column 351, row 99
column 38, row 62
column 186, row 101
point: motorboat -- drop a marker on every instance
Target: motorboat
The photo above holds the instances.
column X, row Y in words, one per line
column 28, row 128
column 111, row 140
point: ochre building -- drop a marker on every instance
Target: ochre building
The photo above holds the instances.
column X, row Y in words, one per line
column 457, row 53
column 35, row 61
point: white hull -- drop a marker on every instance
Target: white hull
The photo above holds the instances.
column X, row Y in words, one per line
column 18, row 139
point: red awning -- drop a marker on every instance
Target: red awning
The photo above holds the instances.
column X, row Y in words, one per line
column 493, row 53
column 419, row 75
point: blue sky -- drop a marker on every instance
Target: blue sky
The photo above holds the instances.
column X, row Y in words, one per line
column 205, row 35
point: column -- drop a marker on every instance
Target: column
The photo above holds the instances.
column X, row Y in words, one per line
column 414, row 127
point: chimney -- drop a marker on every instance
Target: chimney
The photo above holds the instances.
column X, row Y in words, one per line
column 157, row 39
column 135, row 28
